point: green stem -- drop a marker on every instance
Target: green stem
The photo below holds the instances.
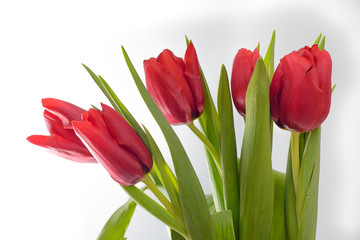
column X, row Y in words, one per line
column 167, row 204
column 295, row 157
column 207, row 144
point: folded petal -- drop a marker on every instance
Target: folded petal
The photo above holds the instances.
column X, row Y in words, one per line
column 125, row 135
column 122, row 166
column 193, row 78
column 63, row 148
column 65, row 111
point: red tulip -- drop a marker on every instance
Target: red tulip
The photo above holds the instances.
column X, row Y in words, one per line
column 300, row 92
column 114, row 144
column 243, row 67
column 62, row 140
column 175, row 85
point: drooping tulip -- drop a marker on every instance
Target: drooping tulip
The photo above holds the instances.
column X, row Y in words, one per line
column 300, row 92
column 114, row 144
column 175, row 85
column 62, row 140
column 243, row 67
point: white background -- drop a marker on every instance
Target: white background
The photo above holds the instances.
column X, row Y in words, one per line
column 42, row 46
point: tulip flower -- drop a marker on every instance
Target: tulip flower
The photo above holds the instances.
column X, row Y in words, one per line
column 114, row 144
column 243, row 67
column 300, row 92
column 175, row 85
column 62, row 140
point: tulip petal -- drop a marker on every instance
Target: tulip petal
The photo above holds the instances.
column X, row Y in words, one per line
column 55, row 127
column 125, row 135
column 67, row 112
column 193, row 77
column 275, row 93
column 243, row 67
column 122, row 166
column 63, row 148
column 323, row 66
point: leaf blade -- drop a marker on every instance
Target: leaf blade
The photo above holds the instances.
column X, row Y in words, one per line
column 223, row 225
column 256, row 180
column 118, row 223
column 228, row 150
column 270, row 55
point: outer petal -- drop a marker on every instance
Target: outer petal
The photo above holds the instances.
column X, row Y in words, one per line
column 275, row 94
column 243, row 67
column 193, row 77
column 169, row 89
column 63, row 148
column 126, row 137
column 67, row 112
column 301, row 101
column 122, row 166
column 323, row 65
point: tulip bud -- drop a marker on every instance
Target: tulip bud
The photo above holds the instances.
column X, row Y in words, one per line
column 243, row 67
column 114, row 144
column 300, row 92
column 175, row 85
column 62, row 140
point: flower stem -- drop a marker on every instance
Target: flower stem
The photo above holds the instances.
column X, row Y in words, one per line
column 295, row 155
column 165, row 202
column 207, row 144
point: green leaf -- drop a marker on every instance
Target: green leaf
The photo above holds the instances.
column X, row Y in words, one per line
column 291, row 226
column 168, row 179
column 318, row 39
column 223, row 225
column 269, row 57
column 211, row 204
column 307, row 191
column 210, row 124
column 228, row 150
column 278, row 222
column 119, row 221
column 154, row 208
column 302, row 143
column 333, row 88
column 322, row 43
column 175, row 235
column 216, row 182
column 193, row 202
column 256, row 177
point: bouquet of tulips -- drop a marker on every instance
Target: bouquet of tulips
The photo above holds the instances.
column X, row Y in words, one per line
column 249, row 200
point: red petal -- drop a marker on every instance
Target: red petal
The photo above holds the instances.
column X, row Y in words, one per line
column 56, row 127
column 67, row 112
column 323, row 65
column 193, row 77
column 63, row 148
column 275, row 94
column 243, row 67
column 125, row 136
column 120, row 164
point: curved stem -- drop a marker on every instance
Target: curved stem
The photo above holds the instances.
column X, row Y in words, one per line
column 167, row 204
column 295, row 158
column 207, row 144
